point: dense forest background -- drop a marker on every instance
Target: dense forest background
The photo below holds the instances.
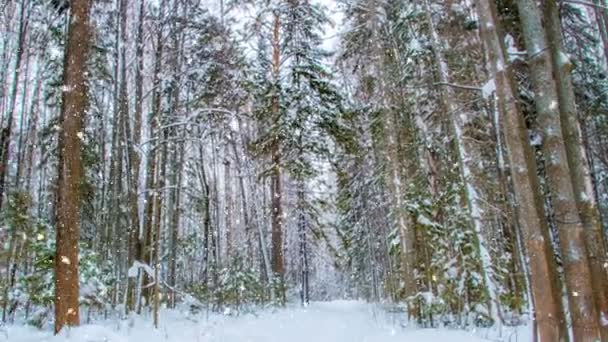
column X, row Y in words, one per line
column 446, row 156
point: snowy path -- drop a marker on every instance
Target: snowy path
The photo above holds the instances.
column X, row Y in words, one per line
column 340, row 321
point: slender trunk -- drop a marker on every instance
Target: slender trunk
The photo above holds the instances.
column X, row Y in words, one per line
column 13, row 242
column 124, row 131
column 22, row 128
column 30, row 140
column 601, row 17
column 455, row 118
column 5, row 135
column 4, row 60
column 152, row 192
column 158, row 217
column 404, row 221
column 202, row 176
column 175, row 161
column 133, row 142
column 222, row 13
column 278, row 267
column 244, row 204
column 73, row 107
column 216, row 233
column 175, row 221
column 302, row 236
column 228, row 208
column 266, row 259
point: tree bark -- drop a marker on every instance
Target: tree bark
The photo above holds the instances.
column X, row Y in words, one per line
column 228, row 208
column 175, row 222
column 5, row 134
column 159, row 199
column 278, row 267
column 22, row 128
column 601, row 18
column 546, row 295
column 73, row 107
column 303, row 244
column 243, row 198
column 134, row 157
column 578, row 163
column 571, row 232
column 152, row 192
column 472, row 200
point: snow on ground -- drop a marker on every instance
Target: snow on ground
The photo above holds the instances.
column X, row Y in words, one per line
column 338, row 321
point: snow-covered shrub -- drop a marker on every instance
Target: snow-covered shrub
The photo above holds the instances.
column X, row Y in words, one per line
column 34, row 292
column 239, row 286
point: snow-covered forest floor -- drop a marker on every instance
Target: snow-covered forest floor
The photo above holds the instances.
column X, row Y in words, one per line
column 336, row 321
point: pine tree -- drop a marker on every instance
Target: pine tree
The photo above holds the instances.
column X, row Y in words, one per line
column 531, row 215
column 574, row 251
column 74, row 106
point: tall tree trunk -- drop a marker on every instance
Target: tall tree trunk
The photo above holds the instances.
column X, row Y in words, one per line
column 204, row 184
column 13, row 243
column 175, row 221
column 22, row 122
column 5, row 135
column 152, row 191
column 578, row 163
column 73, row 107
column 278, row 267
column 228, row 208
column 244, row 204
column 571, row 231
column 548, row 315
column 403, row 220
column 601, row 18
column 216, row 233
column 176, row 147
column 124, row 133
column 455, row 119
column 30, row 139
column 302, row 237
column 159, row 200
column 134, row 157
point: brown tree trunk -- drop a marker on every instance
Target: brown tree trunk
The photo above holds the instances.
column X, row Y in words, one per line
column 22, row 128
column 30, row 139
column 577, row 272
column 278, row 267
column 73, row 106
column 548, row 315
column 151, row 191
column 158, row 215
column 133, row 140
column 243, row 202
column 578, row 163
column 174, row 161
column 175, row 221
column 228, row 208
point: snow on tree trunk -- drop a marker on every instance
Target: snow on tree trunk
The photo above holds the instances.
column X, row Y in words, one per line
column 578, row 163
column 475, row 210
column 278, row 262
column 546, row 295
column 567, row 219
